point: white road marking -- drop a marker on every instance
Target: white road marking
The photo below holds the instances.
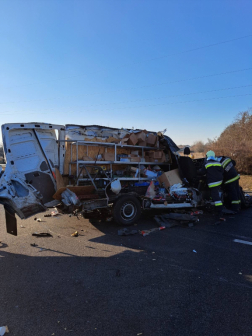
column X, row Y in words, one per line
column 242, row 241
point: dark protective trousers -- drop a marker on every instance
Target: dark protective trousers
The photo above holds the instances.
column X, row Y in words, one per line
column 218, row 205
column 233, row 191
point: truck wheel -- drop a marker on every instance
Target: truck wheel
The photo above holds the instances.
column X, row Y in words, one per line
column 127, row 210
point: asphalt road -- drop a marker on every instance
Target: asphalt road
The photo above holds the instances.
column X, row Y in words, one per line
column 103, row 284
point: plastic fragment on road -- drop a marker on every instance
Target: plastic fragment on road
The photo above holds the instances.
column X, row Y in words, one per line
column 195, row 251
column 55, row 212
column 3, row 330
column 41, row 234
column 147, row 232
column 75, row 234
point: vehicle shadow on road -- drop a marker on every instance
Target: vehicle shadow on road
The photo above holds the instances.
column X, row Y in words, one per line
column 128, row 293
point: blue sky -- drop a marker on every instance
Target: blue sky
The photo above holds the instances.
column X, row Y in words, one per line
column 127, row 63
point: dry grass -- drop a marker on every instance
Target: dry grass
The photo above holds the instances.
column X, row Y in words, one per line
column 246, row 182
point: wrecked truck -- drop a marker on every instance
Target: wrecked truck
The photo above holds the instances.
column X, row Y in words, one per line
column 94, row 170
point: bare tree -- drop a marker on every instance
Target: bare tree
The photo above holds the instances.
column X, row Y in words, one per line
column 198, row 146
column 235, row 141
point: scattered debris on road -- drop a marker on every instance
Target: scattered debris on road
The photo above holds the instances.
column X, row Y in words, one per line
column 75, row 234
column 173, row 219
column 126, row 232
column 3, row 330
column 55, row 212
column 197, row 212
column 162, row 221
column 41, row 234
column 147, row 232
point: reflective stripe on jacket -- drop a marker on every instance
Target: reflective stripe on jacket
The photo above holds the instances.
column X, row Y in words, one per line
column 214, row 184
column 225, row 162
column 214, row 172
column 232, row 179
column 230, row 173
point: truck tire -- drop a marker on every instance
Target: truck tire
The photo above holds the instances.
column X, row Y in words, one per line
column 127, row 210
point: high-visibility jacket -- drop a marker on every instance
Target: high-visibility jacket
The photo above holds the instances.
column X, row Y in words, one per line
column 230, row 173
column 213, row 171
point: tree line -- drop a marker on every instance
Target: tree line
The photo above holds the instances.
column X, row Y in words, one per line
column 235, row 141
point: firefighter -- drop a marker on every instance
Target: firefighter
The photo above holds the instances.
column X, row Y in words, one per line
column 231, row 181
column 213, row 170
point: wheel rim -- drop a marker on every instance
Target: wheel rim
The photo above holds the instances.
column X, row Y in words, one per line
column 128, row 211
